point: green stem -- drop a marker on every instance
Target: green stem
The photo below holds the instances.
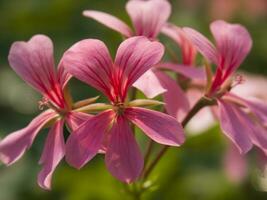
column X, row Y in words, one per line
column 201, row 103
column 148, row 152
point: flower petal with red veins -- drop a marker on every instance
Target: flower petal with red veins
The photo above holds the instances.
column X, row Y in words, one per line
column 33, row 61
column 234, row 127
column 89, row 60
column 149, row 84
column 75, row 119
column 176, row 102
column 258, row 134
column 203, row 45
column 134, row 57
column 63, row 75
column 109, row 21
column 160, row 127
column 233, row 43
column 53, row 152
column 123, row 157
column 188, row 50
column 85, row 142
column 188, row 71
column 148, row 17
column 13, row 146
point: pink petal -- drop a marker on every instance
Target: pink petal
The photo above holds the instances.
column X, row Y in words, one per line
column 109, row 21
column 233, row 43
column 172, row 32
column 149, row 84
column 176, row 102
column 203, row 45
column 160, row 127
column 148, row 17
column 257, row 133
column 188, row 50
column 84, row 143
column 234, row 127
column 259, row 109
column 63, row 75
column 13, row 146
column 123, row 157
column 188, row 71
column 75, row 119
column 33, row 61
column 89, row 60
column 53, row 152
column 134, row 57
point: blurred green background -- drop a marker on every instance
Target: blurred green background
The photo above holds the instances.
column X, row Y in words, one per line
column 194, row 171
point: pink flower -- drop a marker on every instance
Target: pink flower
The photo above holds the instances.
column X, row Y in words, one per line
column 90, row 61
column 155, row 81
column 233, row 43
column 33, row 61
column 242, row 121
column 147, row 17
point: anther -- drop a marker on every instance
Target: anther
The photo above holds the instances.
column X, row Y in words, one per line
column 43, row 103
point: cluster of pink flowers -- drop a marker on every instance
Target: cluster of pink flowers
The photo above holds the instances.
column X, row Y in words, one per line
column 107, row 128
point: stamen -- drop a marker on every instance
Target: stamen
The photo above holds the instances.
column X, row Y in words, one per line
column 239, row 79
column 43, row 103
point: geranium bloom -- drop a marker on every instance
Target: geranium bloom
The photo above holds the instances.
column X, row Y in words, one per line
column 156, row 81
column 242, row 121
column 34, row 62
column 147, row 17
column 90, row 61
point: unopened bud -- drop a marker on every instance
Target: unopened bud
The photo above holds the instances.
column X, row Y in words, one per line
column 85, row 102
column 96, row 107
column 145, row 103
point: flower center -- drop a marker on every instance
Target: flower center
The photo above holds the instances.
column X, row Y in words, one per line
column 118, row 108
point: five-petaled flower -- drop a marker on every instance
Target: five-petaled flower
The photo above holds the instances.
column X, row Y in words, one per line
column 148, row 18
column 33, row 61
column 242, row 121
column 90, row 61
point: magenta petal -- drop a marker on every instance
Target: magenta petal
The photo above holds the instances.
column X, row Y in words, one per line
column 13, row 146
column 33, row 61
column 149, row 84
column 188, row 71
column 148, row 17
column 123, row 157
column 233, row 43
column 176, row 102
column 109, row 21
column 63, row 75
column 75, row 119
column 160, row 127
column 172, row 32
column 259, row 109
column 135, row 56
column 188, row 50
column 258, row 134
column 89, row 60
column 53, row 152
column 234, row 127
column 203, row 45
column 84, row 143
